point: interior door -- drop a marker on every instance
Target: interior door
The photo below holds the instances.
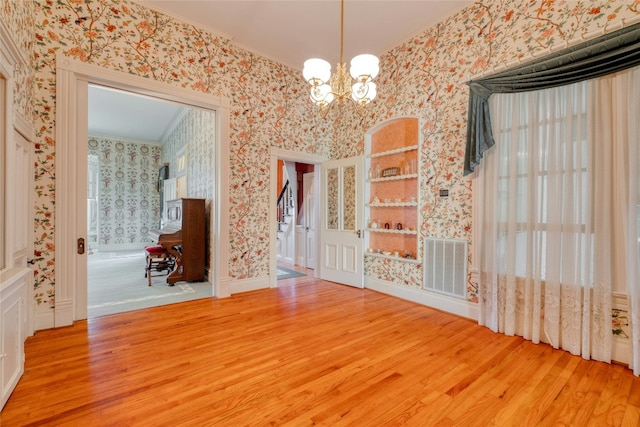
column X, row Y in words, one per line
column 341, row 236
column 308, row 180
column 23, row 216
column 22, row 224
column 15, row 294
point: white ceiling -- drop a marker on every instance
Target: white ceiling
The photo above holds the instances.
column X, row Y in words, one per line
column 128, row 115
column 286, row 31
column 292, row 31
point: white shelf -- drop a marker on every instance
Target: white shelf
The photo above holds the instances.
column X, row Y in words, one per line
column 394, row 178
column 393, row 148
column 391, row 257
column 392, row 204
column 396, row 151
column 392, row 230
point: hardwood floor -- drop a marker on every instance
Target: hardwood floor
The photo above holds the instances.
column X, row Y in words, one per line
column 308, row 353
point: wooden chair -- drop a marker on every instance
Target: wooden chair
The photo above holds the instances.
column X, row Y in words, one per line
column 158, row 260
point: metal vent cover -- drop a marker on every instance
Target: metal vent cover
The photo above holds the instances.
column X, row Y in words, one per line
column 445, row 266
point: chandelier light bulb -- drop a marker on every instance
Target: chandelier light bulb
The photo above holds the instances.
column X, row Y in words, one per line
column 316, row 71
column 321, row 95
column 365, row 67
column 326, row 88
column 363, row 93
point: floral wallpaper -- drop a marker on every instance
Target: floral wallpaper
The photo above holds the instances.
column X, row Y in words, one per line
column 620, row 323
column 128, row 199
column 196, row 131
column 333, row 199
column 349, row 198
column 266, row 107
column 426, row 75
column 422, row 77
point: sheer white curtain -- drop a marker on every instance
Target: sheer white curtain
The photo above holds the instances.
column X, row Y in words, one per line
column 550, row 227
column 615, row 109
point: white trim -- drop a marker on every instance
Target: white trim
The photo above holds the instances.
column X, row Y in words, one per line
column 225, row 287
column 24, row 128
column 12, row 121
column 7, row 85
column 294, row 156
column 42, row 320
column 67, row 87
column 450, row 305
column 247, row 285
column 72, row 80
column 10, row 52
column 219, row 260
column 140, row 85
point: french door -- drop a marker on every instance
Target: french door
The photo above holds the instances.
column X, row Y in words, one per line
column 342, row 202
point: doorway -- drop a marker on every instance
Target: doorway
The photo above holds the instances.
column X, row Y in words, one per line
column 341, row 235
column 73, row 78
column 132, row 138
column 313, row 161
column 296, row 212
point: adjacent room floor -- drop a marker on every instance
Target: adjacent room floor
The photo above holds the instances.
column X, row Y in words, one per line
column 116, row 284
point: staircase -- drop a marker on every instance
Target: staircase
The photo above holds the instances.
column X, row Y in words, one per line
column 285, row 211
column 285, row 215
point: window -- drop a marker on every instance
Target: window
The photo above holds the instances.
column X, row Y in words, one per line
column 181, row 173
column 542, row 179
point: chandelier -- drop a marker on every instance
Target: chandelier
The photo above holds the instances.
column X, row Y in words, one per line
column 326, row 88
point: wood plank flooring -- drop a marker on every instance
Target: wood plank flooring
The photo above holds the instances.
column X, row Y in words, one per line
column 308, row 353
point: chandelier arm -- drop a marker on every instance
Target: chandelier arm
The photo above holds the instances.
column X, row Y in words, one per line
column 325, row 88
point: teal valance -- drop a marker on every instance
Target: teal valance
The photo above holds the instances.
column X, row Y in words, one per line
column 604, row 55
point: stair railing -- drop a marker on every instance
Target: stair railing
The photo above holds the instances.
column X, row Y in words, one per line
column 283, row 202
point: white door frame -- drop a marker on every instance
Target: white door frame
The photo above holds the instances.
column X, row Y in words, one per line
column 309, row 179
column 72, row 79
column 293, row 156
column 14, row 265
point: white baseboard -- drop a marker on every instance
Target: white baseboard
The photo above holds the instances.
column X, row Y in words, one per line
column 246, row 285
column 286, row 259
column 63, row 313
column 122, row 247
column 450, row 305
column 43, row 320
column 225, row 288
column 620, row 350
